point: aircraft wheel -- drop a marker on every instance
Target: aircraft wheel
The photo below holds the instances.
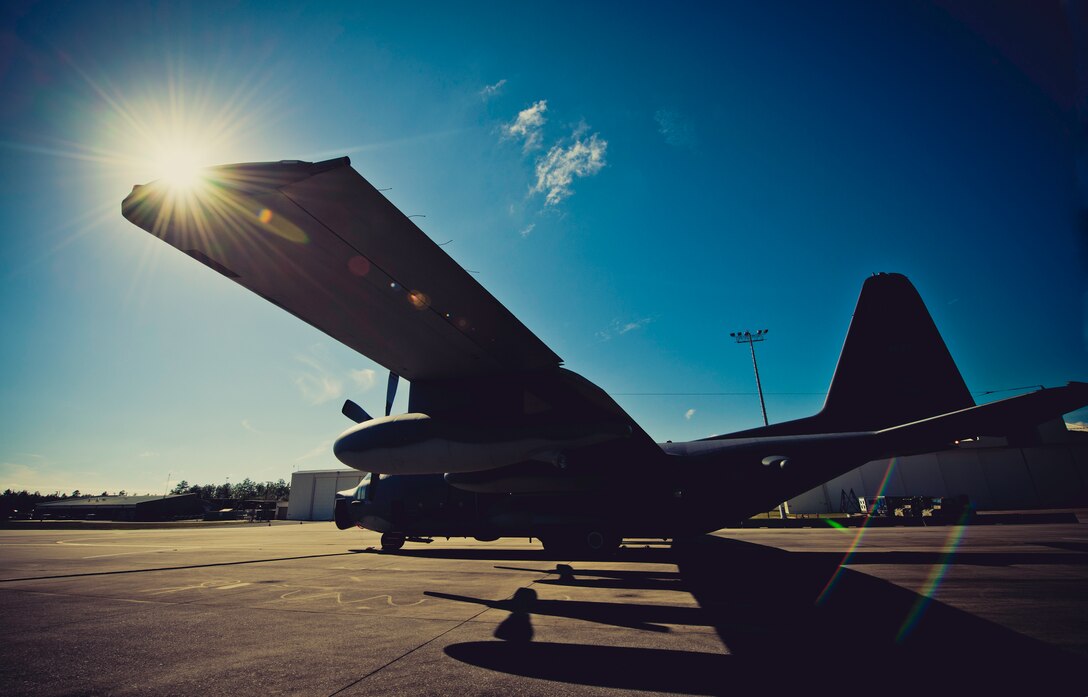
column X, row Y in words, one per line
column 392, row 541
column 558, row 544
column 598, row 542
column 592, row 543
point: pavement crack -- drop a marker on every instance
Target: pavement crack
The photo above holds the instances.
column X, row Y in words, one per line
column 175, row 568
column 410, row 651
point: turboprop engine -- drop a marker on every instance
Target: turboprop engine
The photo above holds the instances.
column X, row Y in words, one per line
column 417, row 444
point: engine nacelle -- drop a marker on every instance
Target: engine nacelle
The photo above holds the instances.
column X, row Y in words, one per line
column 418, row 444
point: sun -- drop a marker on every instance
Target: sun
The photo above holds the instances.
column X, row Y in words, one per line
column 180, row 165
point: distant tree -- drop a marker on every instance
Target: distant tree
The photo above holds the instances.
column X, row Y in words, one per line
column 76, row 493
column 181, row 487
column 245, row 489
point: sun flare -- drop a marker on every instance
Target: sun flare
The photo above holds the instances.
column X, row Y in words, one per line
column 179, row 166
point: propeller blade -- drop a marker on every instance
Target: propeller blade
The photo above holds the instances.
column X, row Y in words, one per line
column 355, row 412
column 391, row 392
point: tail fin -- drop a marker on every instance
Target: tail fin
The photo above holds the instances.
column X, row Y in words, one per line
column 894, row 367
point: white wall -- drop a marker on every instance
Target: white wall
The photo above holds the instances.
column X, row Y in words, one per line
column 313, row 492
column 997, row 478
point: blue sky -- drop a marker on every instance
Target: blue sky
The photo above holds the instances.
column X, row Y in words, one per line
column 632, row 182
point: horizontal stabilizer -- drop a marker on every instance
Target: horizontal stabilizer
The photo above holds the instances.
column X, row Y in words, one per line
column 994, row 419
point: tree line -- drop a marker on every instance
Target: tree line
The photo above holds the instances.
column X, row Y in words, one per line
column 24, row 501
column 247, row 489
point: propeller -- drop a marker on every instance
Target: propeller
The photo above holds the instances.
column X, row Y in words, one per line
column 391, row 392
column 355, row 412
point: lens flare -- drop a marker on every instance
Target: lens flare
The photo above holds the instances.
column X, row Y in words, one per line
column 933, row 580
column 831, row 582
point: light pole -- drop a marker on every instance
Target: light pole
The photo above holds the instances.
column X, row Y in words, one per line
column 750, row 338
column 747, row 337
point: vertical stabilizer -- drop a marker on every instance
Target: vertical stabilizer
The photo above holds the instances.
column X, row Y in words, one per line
column 894, row 367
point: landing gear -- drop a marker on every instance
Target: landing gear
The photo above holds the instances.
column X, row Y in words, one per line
column 392, row 541
column 591, row 543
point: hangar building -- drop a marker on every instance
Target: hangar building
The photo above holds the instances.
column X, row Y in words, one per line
column 142, row 508
column 1048, row 469
column 313, row 492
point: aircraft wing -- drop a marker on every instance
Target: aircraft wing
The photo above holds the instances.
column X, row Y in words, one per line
column 321, row 242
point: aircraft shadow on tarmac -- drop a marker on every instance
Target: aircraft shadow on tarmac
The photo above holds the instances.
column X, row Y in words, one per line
column 659, row 554
column 763, row 603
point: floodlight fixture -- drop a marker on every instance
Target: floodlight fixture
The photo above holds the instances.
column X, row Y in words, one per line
column 747, row 337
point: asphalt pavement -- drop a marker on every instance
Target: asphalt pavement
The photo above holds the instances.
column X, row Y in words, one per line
column 310, row 610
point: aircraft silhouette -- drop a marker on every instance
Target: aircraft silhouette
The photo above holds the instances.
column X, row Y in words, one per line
column 500, row 440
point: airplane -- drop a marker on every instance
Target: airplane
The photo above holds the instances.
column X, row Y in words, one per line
column 500, row 440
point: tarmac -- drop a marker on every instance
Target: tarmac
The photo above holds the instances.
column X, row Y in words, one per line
column 310, row 610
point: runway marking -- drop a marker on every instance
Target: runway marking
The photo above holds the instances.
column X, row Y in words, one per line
column 338, row 595
column 307, row 592
column 114, row 544
column 121, row 554
column 220, row 584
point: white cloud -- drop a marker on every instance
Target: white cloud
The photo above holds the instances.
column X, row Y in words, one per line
column 490, row 91
column 317, row 385
column 250, row 427
column 149, row 453
column 637, row 324
column 689, row 413
column 676, row 129
column 619, row 328
column 364, row 379
column 556, row 171
column 527, row 125
column 527, row 230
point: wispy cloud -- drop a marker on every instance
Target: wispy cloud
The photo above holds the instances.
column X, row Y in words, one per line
column 563, row 163
column 619, row 328
column 527, row 230
column 689, row 413
column 250, row 427
column 323, row 379
column 317, row 384
column 148, row 453
column 33, row 472
column 637, row 324
column 567, row 159
column 677, row 130
column 364, row 379
column 528, row 125
column 490, row 91
column 323, row 448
